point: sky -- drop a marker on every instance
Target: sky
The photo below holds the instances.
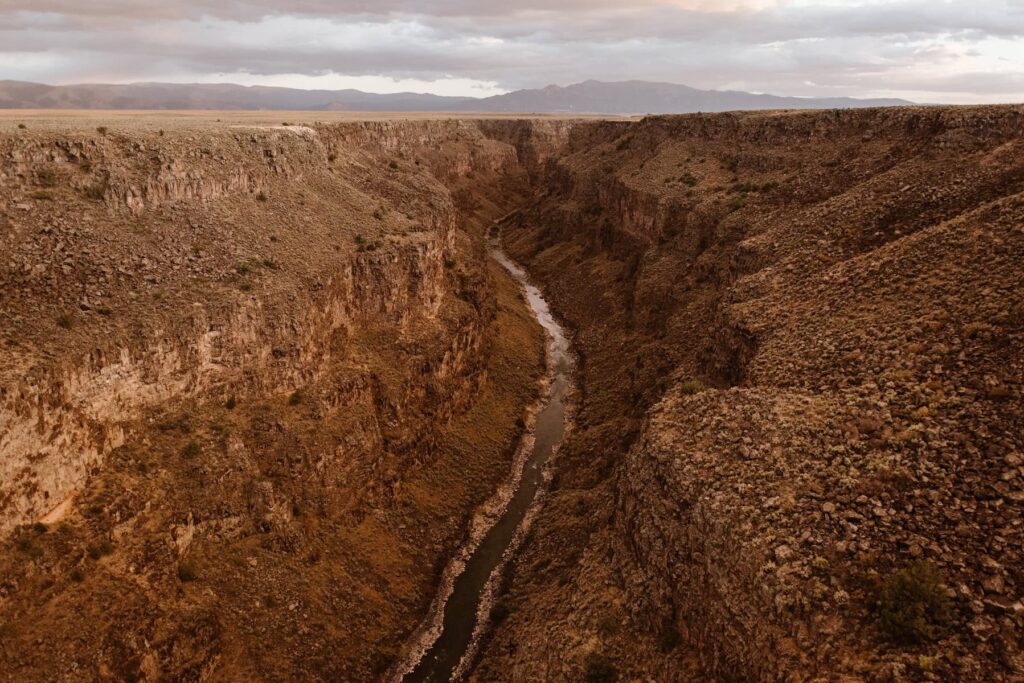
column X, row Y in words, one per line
column 956, row 51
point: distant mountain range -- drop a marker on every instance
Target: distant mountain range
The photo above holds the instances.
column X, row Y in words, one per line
column 590, row 97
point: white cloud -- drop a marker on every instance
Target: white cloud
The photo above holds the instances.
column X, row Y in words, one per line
column 930, row 50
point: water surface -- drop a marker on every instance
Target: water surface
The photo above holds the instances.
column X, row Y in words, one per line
column 460, row 611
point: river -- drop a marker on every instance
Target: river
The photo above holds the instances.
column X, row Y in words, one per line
column 471, row 591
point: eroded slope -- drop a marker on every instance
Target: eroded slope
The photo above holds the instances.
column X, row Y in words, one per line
column 254, row 382
column 800, row 441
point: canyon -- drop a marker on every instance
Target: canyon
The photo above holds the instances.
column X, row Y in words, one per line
column 262, row 381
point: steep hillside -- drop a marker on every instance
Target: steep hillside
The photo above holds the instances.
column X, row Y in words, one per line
column 800, row 443
column 254, row 382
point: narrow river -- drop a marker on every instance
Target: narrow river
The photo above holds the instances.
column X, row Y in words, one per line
column 459, row 628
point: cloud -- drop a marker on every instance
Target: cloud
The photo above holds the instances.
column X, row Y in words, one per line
column 959, row 50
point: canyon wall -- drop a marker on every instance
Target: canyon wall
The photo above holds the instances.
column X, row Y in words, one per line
column 245, row 361
column 801, row 418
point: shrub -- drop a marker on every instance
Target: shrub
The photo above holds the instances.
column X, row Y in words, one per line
column 65, row 321
column 43, row 196
column 96, row 192
column 190, row 450
column 22, row 126
column 691, row 387
column 499, row 612
column 186, row 572
column 101, row 549
column 332, row 157
column 392, row 164
column 600, row 669
column 76, row 575
column 47, row 177
column 231, row 403
column 40, row 528
column 745, row 187
column 295, row 399
column 689, row 179
column 102, row 130
column 912, row 604
column 261, row 196
column 25, row 545
column 104, row 310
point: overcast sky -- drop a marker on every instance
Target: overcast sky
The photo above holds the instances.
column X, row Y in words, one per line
column 924, row 50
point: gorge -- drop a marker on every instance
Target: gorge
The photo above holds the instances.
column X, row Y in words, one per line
column 264, row 387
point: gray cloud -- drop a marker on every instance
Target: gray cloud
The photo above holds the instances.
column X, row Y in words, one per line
column 802, row 47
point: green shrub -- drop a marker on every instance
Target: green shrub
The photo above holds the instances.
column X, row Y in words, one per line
column 261, row 196
column 65, row 321
column 912, row 604
column 691, row 387
column 22, row 126
column 190, row 450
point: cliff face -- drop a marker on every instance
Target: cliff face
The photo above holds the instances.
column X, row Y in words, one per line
column 230, row 353
column 802, row 400
column 63, row 412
